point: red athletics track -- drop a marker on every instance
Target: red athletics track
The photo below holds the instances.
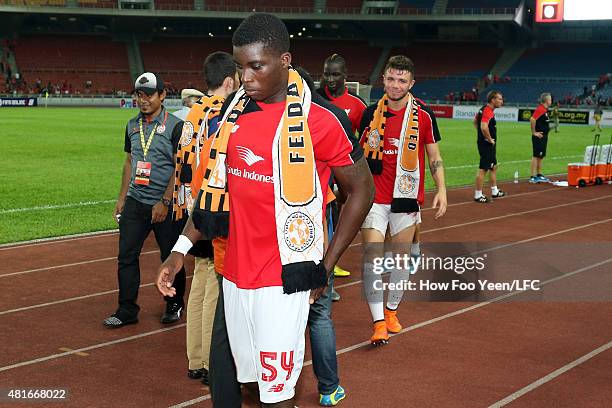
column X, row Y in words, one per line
column 56, row 294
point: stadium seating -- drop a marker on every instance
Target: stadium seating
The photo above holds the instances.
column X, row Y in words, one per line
column 564, row 61
column 174, row 5
column 521, row 92
column 303, row 6
column 360, row 57
column 451, row 59
column 482, row 4
column 59, row 59
column 344, row 6
column 180, row 63
column 98, row 3
column 438, row 89
column 415, row 6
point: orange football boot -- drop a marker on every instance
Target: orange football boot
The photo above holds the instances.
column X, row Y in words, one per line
column 380, row 336
column 393, row 324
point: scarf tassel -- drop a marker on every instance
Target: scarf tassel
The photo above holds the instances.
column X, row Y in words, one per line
column 212, row 224
column 404, row 205
column 376, row 166
column 301, row 276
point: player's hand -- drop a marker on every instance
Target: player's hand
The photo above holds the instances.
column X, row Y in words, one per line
column 159, row 213
column 315, row 294
column 166, row 273
column 118, row 209
column 492, row 141
column 538, row 135
column 440, row 203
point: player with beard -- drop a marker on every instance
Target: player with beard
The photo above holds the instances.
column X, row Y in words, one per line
column 396, row 132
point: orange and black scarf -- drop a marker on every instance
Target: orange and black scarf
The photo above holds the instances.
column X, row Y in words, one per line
column 195, row 132
column 407, row 178
column 297, row 189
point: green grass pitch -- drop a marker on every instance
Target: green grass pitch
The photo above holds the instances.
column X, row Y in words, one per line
column 61, row 167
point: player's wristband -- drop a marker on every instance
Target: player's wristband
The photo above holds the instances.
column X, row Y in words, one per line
column 183, row 245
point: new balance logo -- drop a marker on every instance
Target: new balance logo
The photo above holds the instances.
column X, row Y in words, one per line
column 394, row 142
column 248, row 156
column 277, row 388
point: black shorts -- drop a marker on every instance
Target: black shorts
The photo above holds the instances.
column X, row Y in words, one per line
column 539, row 146
column 488, row 156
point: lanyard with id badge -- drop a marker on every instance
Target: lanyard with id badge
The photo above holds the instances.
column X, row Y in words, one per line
column 143, row 167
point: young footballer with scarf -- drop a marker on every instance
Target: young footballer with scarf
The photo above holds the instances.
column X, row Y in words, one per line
column 275, row 150
column 396, row 132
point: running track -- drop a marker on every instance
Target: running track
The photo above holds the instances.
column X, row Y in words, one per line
column 525, row 354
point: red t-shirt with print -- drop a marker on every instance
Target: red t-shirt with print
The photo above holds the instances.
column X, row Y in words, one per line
column 252, row 258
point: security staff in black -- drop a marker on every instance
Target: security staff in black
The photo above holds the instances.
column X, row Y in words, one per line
column 485, row 125
column 145, row 199
column 540, row 126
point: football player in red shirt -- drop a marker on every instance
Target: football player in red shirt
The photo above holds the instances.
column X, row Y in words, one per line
column 265, row 321
column 396, row 133
column 333, row 88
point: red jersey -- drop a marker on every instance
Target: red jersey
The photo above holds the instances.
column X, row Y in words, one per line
column 385, row 181
column 350, row 103
column 252, row 258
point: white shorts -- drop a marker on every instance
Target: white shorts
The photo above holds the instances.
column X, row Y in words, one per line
column 380, row 216
column 266, row 334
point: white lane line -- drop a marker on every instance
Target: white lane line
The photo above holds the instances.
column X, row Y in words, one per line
column 345, row 285
column 504, row 216
column 515, row 214
column 434, row 320
column 505, row 198
column 192, row 402
column 47, row 268
column 106, row 259
column 495, row 248
column 72, row 299
column 93, row 347
column 73, row 237
column 57, row 240
column 55, row 207
column 510, row 398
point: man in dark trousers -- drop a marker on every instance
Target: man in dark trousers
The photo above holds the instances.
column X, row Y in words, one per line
column 145, row 198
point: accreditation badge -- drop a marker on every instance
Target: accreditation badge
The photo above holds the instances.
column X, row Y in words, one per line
column 143, row 173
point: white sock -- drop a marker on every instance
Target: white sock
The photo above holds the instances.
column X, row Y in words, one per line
column 494, row 190
column 372, row 285
column 398, row 279
column 377, row 310
column 477, row 193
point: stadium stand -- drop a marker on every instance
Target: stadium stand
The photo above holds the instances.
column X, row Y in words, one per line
column 561, row 61
column 415, row 6
column 518, row 90
column 97, row 3
column 481, row 4
column 278, row 6
column 180, row 65
column 59, row 60
column 174, row 4
column 439, row 89
column 344, row 6
column 450, row 58
column 310, row 54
